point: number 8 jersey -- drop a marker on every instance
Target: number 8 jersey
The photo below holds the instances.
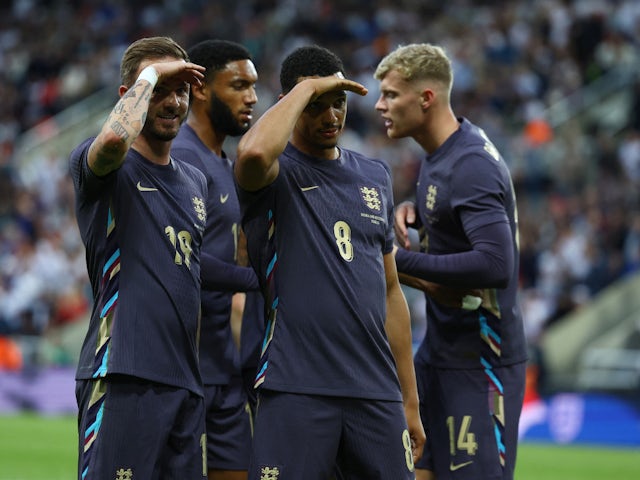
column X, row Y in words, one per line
column 316, row 237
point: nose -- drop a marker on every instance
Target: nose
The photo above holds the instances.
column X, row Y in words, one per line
column 252, row 97
column 380, row 104
column 172, row 99
column 332, row 115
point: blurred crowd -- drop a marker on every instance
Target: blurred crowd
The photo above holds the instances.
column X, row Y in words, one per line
column 515, row 61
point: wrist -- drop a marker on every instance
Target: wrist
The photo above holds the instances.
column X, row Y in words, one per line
column 149, row 74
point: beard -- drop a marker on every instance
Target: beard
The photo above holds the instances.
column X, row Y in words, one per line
column 155, row 129
column 160, row 134
column 223, row 120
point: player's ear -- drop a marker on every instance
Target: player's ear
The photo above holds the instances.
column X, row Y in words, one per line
column 199, row 92
column 426, row 98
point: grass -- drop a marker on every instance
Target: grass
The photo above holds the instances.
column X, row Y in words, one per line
column 44, row 448
column 554, row 462
column 33, row 447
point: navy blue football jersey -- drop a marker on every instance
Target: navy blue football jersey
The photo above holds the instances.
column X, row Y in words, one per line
column 464, row 185
column 316, row 238
column 142, row 228
column 252, row 330
column 219, row 357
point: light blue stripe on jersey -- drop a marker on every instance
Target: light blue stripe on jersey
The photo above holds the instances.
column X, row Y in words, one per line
column 95, row 426
column 488, row 370
column 102, row 369
column 261, row 372
column 499, row 442
column 111, row 261
column 91, row 433
column 501, row 446
column 489, row 336
column 109, row 304
column 272, row 263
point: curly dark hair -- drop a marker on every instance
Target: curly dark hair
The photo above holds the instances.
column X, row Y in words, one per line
column 308, row 61
column 214, row 55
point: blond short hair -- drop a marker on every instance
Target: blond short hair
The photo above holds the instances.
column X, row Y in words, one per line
column 418, row 61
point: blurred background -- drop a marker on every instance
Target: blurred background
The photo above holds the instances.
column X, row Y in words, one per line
column 554, row 83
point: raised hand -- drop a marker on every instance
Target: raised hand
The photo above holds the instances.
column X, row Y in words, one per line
column 180, row 70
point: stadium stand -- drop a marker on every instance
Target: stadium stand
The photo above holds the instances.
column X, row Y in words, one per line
column 553, row 81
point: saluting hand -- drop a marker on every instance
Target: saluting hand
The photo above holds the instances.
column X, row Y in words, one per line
column 180, row 70
column 335, row 82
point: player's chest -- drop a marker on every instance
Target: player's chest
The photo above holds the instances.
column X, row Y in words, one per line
column 356, row 201
column 433, row 195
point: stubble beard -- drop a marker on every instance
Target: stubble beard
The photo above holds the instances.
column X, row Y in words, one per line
column 223, row 120
column 152, row 131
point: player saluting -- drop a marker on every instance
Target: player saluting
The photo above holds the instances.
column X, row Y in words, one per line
column 336, row 378
column 141, row 216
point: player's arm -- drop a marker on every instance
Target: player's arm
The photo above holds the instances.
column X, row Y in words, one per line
column 218, row 275
column 489, row 263
column 256, row 163
column 467, row 298
column 125, row 122
column 398, row 328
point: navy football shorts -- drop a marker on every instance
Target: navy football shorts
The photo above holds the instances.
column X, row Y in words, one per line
column 300, row 436
column 132, row 428
column 471, row 420
column 228, row 424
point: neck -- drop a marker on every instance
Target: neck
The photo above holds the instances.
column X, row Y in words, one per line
column 157, row 152
column 206, row 133
column 437, row 131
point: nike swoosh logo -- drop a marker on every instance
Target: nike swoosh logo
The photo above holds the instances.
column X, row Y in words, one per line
column 453, row 467
column 306, row 189
column 146, row 189
column 224, row 198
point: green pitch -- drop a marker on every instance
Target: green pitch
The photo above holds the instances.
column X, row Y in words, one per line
column 42, row 448
column 37, row 448
column 552, row 462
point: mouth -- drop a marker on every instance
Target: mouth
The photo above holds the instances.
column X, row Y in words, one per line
column 330, row 132
column 168, row 118
column 246, row 117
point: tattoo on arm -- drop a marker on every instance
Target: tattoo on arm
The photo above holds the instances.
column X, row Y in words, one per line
column 119, row 130
column 131, row 93
column 145, row 95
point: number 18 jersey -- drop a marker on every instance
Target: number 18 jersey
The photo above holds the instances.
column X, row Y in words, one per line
column 142, row 228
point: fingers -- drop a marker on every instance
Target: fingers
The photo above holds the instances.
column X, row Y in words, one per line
column 192, row 73
column 356, row 87
column 411, row 215
column 180, row 69
column 401, row 225
column 417, row 448
column 337, row 82
column 404, row 215
column 402, row 236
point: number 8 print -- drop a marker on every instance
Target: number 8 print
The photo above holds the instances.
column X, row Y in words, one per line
column 342, row 232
